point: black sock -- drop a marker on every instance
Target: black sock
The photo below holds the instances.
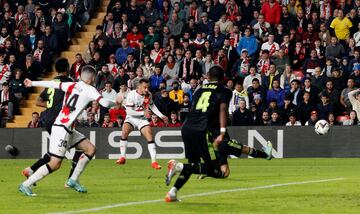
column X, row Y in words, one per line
column 75, row 161
column 257, row 153
column 185, row 174
column 44, row 160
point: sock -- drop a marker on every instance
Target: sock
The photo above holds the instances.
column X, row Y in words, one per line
column 39, row 174
column 74, row 162
column 83, row 161
column 152, row 151
column 123, row 146
column 183, row 177
column 173, row 191
column 179, row 167
column 257, row 153
column 42, row 161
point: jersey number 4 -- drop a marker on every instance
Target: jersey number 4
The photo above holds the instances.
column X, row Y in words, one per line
column 72, row 102
column 203, row 102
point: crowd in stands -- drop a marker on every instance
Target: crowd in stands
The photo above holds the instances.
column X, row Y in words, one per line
column 288, row 62
column 32, row 34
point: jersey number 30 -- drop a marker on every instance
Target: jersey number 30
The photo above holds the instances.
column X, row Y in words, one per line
column 203, row 102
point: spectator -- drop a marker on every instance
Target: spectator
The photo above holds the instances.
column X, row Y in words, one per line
column 205, row 25
column 238, row 94
column 313, row 91
column 61, row 29
column 261, row 28
column 103, row 76
column 89, row 53
column 242, row 115
column 156, row 54
column 275, row 119
column 335, row 50
column 165, row 104
column 8, row 102
column 156, row 79
column 122, row 94
column 272, row 12
column 156, row 122
column 17, row 86
column 76, row 67
column 270, row 45
column 123, row 51
column 318, row 79
column 265, row 119
column 293, row 121
column 216, row 38
column 42, row 56
column 249, row 78
column 119, row 121
column 331, row 92
column 286, row 78
column 91, row 121
column 241, row 67
column 353, row 119
column 289, row 108
column 170, row 70
column 256, row 89
column 107, row 123
column 296, row 92
column 225, row 24
column 134, row 37
column 342, row 26
column 281, row 60
column 174, row 122
column 176, row 94
column 344, row 98
column 109, row 93
column 35, row 121
column 184, row 108
column 332, row 121
column 5, row 71
column 306, row 107
column 324, row 108
column 276, row 93
column 175, row 25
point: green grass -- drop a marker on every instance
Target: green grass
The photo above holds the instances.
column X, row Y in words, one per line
column 109, row 184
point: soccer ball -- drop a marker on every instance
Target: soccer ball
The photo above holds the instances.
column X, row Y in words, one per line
column 322, row 127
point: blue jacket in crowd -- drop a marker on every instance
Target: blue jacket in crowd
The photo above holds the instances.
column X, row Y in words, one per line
column 155, row 81
column 277, row 95
column 121, row 54
column 248, row 43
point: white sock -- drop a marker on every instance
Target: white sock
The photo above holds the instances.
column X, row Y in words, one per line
column 123, row 146
column 37, row 176
column 152, row 151
column 173, row 191
column 83, row 161
column 179, row 167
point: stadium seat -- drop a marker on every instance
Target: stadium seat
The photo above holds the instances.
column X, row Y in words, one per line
column 341, row 119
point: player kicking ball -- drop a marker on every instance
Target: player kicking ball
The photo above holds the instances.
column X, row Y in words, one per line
column 139, row 105
column 63, row 136
column 208, row 113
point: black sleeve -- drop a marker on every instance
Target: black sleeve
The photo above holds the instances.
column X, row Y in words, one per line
column 225, row 96
column 44, row 95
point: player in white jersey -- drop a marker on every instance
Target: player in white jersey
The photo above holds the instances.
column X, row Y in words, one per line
column 63, row 136
column 139, row 105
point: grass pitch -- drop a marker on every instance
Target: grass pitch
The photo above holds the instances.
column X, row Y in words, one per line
column 110, row 184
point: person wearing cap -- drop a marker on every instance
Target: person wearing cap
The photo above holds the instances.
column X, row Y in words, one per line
column 247, row 42
column 355, row 75
column 205, row 25
column 313, row 119
column 241, row 67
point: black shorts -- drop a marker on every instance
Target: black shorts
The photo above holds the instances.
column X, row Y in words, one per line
column 197, row 146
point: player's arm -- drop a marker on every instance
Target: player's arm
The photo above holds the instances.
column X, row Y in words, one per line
column 105, row 102
column 45, row 84
column 41, row 100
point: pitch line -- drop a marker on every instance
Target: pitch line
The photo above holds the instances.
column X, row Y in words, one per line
column 198, row 195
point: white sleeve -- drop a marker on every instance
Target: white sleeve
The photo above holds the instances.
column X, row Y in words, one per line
column 247, row 101
column 95, row 95
column 46, row 84
column 231, row 104
column 156, row 110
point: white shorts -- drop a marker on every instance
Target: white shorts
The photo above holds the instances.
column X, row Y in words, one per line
column 137, row 122
column 62, row 139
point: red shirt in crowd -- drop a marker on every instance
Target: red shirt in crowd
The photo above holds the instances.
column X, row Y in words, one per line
column 134, row 39
column 158, row 124
column 272, row 14
column 114, row 114
column 177, row 124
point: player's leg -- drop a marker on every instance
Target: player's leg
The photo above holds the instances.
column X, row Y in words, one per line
column 147, row 133
column 233, row 147
column 75, row 160
column 127, row 128
column 30, row 170
column 88, row 153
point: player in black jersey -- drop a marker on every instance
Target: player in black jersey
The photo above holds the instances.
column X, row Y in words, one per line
column 52, row 100
column 205, row 136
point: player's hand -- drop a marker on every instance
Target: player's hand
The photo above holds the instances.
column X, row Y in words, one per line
column 218, row 140
column 27, row 83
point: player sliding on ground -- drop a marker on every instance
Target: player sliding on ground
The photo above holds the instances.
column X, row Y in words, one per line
column 208, row 114
column 63, row 136
column 139, row 105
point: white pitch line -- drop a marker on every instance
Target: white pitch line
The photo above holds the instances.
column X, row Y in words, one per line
column 197, row 195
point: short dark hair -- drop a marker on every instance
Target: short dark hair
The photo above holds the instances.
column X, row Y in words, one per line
column 35, row 113
column 61, row 65
column 216, row 73
column 143, row 81
column 255, row 80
